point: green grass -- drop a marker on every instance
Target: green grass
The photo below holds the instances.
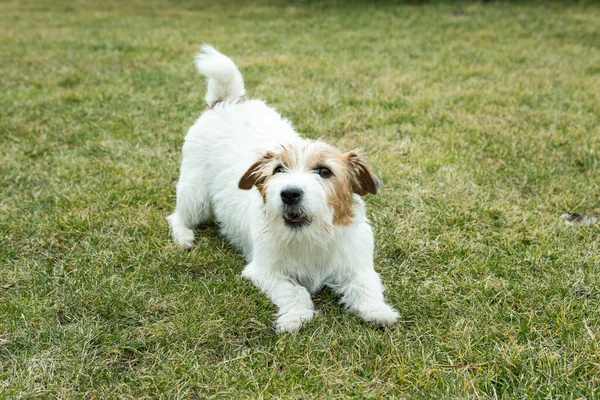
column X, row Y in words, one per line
column 482, row 119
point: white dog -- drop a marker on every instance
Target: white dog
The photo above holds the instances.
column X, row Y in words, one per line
column 291, row 205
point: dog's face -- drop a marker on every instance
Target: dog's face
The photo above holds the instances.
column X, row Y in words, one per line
column 309, row 184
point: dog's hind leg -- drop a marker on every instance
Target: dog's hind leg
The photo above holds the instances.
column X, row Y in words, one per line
column 182, row 235
column 193, row 208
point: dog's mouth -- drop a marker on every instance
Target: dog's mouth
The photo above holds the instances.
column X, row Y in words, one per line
column 295, row 220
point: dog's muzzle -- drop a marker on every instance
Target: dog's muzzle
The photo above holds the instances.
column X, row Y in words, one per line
column 293, row 216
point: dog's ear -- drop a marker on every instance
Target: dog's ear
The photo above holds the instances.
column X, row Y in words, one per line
column 362, row 179
column 254, row 174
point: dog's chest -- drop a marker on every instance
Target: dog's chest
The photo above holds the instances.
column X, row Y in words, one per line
column 311, row 269
column 314, row 280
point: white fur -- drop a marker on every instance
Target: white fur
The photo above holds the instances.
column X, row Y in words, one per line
column 226, row 82
column 287, row 264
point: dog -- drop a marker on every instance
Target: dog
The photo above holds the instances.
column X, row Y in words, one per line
column 292, row 206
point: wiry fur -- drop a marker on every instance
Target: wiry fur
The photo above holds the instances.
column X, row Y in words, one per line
column 230, row 156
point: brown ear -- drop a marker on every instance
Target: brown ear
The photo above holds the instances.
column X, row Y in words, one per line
column 254, row 174
column 362, row 179
column 251, row 176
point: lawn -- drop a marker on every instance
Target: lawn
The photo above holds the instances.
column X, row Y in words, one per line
column 481, row 118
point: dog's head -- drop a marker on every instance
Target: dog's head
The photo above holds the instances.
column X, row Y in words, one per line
column 309, row 184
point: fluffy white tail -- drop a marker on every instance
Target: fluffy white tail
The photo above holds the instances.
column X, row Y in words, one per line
column 225, row 81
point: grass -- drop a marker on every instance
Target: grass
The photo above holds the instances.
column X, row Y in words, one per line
column 482, row 119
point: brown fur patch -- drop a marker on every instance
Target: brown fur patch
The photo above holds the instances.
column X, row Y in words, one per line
column 212, row 105
column 351, row 175
column 262, row 189
column 341, row 202
column 289, row 156
column 338, row 185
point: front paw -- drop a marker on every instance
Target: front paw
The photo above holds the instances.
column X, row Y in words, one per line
column 383, row 315
column 292, row 320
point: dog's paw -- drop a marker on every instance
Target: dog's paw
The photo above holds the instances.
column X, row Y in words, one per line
column 292, row 320
column 182, row 236
column 184, row 239
column 383, row 315
column 185, row 244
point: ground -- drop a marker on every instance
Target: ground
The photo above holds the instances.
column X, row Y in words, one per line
column 481, row 118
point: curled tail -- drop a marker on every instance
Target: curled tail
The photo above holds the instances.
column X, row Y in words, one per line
column 225, row 82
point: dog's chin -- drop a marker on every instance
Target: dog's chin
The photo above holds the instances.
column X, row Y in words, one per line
column 296, row 220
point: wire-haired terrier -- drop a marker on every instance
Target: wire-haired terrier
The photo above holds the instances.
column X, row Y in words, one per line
column 292, row 206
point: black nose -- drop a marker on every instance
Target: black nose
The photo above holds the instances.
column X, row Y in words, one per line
column 291, row 196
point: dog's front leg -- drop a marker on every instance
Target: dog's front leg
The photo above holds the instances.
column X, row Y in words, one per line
column 294, row 302
column 362, row 293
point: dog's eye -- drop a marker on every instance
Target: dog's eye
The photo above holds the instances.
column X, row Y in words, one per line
column 278, row 170
column 324, row 172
